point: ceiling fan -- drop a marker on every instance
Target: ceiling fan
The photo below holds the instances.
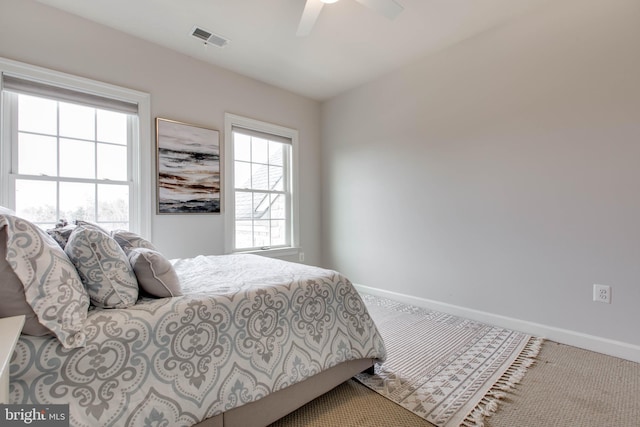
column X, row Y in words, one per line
column 388, row 8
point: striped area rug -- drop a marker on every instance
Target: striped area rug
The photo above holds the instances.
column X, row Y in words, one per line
column 446, row 369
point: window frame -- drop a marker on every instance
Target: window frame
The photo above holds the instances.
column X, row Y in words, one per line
column 140, row 151
column 231, row 121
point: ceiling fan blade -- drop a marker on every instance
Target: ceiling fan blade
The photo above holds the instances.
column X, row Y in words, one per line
column 309, row 16
column 388, row 8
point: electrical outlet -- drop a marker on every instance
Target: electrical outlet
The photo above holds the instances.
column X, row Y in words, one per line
column 602, row 293
column 301, row 256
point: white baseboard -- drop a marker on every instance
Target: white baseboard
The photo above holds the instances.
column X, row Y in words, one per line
column 577, row 339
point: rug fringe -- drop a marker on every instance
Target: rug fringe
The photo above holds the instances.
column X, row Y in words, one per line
column 489, row 403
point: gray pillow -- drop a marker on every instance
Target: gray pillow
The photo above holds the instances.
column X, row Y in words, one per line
column 156, row 275
column 129, row 240
column 103, row 268
column 50, row 283
column 61, row 234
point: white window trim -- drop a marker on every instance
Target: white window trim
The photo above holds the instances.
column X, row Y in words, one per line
column 140, row 220
column 231, row 120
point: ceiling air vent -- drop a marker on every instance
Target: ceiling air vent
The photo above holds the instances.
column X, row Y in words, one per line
column 208, row 37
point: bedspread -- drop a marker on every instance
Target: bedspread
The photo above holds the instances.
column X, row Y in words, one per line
column 247, row 326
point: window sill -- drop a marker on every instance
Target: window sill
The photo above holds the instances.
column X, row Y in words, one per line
column 275, row 253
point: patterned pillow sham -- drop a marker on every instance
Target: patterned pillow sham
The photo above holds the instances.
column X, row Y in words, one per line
column 90, row 225
column 156, row 275
column 51, row 285
column 103, row 268
column 129, row 240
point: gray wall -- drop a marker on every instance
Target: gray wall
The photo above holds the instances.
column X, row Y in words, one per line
column 501, row 175
column 181, row 88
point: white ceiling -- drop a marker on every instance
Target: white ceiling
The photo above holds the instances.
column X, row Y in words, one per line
column 349, row 45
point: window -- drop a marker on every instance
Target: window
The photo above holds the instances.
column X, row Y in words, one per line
column 261, row 184
column 73, row 150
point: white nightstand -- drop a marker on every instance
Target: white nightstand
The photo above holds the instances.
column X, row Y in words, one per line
column 10, row 329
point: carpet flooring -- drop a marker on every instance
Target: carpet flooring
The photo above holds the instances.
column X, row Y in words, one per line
column 573, row 387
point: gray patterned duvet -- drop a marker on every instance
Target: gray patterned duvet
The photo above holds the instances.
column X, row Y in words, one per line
column 247, row 326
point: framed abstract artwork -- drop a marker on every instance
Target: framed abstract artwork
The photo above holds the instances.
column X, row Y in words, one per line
column 188, row 165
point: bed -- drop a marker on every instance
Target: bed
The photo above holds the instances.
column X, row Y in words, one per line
column 241, row 340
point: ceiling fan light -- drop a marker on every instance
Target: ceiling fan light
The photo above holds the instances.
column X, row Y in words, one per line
column 328, row 1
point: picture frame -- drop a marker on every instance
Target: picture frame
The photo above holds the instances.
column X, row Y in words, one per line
column 188, row 168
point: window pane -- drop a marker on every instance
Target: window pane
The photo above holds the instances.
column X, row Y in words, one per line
column 261, row 232
column 259, row 177
column 244, row 234
column 112, row 127
column 244, row 205
column 276, row 178
column 112, row 162
column 278, row 207
column 113, row 203
column 37, row 155
column 71, row 160
column 242, row 175
column 77, row 121
column 36, row 200
column 241, row 147
column 77, row 159
column 261, row 168
column 77, row 201
column 259, row 150
column 276, row 153
column 278, row 233
column 260, row 206
column 111, row 226
column 37, row 115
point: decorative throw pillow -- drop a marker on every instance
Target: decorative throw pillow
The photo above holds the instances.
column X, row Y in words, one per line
column 129, row 240
column 156, row 276
column 103, row 268
column 50, row 284
column 61, row 234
